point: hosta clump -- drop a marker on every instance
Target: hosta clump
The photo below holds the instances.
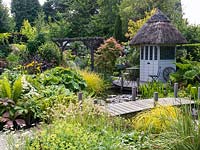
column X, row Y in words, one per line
column 188, row 72
column 62, row 76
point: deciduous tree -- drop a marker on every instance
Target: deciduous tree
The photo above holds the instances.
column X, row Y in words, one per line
column 135, row 10
column 103, row 22
column 24, row 9
column 5, row 20
column 134, row 26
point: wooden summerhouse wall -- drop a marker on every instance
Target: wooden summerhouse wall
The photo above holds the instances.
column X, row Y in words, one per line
column 152, row 64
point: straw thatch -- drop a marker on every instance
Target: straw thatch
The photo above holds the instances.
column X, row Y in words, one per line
column 158, row 30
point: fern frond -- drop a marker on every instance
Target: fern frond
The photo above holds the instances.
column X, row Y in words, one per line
column 6, row 89
column 17, row 89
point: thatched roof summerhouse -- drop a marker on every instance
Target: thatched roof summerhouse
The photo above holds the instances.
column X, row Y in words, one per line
column 157, row 40
column 158, row 30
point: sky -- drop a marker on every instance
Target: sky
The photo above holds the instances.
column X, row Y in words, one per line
column 191, row 10
column 7, row 2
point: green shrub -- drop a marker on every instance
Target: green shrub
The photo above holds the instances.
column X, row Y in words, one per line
column 13, row 60
column 50, row 53
column 34, row 44
column 188, row 72
column 20, row 47
column 107, row 54
column 28, row 30
column 4, row 50
column 4, row 45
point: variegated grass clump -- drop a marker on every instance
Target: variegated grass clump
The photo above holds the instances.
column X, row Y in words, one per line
column 95, row 84
column 156, row 120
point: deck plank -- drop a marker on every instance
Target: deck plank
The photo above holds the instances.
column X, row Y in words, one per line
column 126, row 84
column 141, row 105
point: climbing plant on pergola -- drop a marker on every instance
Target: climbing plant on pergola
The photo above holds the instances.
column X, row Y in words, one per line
column 91, row 43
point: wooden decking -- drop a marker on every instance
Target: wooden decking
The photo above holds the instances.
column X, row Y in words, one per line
column 141, row 105
column 126, row 83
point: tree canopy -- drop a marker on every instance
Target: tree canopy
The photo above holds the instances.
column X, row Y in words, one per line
column 135, row 9
column 24, row 9
column 5, row 20
column 90, row 18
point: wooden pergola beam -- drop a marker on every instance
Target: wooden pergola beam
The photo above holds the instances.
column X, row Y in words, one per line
column 91, row 42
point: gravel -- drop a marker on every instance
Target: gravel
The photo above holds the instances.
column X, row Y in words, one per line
column 11, row 140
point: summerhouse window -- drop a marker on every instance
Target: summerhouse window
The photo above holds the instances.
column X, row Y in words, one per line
column 167, row 52
column 151, row 53
column 142, row 53
column 146, row 52
column 155, row 53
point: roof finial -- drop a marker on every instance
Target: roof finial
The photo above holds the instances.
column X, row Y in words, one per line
column 159, row 16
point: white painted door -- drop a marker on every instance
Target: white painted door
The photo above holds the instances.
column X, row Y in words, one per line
column 142, row 63
column 148, row 62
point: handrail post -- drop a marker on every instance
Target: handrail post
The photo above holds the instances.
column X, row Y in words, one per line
column 155, row 97
column 198, row 93
column 138, row 82
column 175, row 90
column 122, row 82
column 134, row 93
column 80, row 99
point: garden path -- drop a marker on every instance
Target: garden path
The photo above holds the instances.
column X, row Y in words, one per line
column 11, row 140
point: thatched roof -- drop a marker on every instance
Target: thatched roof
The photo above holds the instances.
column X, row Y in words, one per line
column 158, row 30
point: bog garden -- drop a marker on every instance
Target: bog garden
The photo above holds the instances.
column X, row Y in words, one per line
column 57, row 52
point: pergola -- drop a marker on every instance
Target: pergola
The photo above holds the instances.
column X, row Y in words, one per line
column 91, row 43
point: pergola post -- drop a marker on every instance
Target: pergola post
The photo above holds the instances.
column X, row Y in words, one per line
column 91, row 42
column 92, row 59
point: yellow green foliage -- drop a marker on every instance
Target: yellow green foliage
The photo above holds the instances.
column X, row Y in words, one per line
column 4, row 37
column 156, row 120
column 21, row 47
column 94, row 81
column 11, row 91
column 61, row 137
column 134, row 26
column 75, row 128
column 5, row 88
column 17, row 89
column 28, row 30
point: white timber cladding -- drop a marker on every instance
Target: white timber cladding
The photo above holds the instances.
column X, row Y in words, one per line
column 150, row 63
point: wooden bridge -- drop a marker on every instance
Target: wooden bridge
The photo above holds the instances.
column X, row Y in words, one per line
column 123, row 108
